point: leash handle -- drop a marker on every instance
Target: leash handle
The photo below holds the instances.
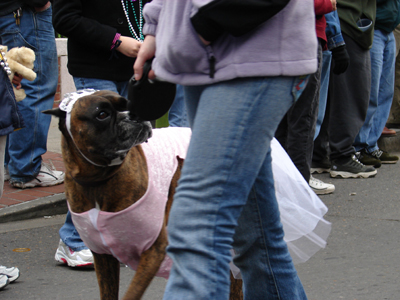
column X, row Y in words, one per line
column 133, row 83
column 149, row 100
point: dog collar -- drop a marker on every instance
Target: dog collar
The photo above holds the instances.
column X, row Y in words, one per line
column 66, row 105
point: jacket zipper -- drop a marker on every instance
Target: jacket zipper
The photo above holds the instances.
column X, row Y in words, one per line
column 211, row 60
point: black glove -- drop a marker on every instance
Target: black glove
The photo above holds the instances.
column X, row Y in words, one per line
column 340, row 60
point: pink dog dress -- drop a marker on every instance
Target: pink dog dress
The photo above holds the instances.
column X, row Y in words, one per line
column 128, row 233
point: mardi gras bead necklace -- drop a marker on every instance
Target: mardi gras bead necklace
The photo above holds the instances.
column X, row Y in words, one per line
column 138, row 19
column 3, row 61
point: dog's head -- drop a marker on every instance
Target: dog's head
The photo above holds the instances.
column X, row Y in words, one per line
column 99, row 126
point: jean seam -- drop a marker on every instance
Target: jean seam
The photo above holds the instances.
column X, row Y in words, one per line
column 265, row 243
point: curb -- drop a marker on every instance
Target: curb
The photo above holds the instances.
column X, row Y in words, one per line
column 47, row 206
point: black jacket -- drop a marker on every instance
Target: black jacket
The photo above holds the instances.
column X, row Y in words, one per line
column 8, row 6
column 90, row 27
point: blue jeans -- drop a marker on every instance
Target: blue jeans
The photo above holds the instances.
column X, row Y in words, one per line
column 177, row 116
column 227, row 172
column 323, row 92
column 68, row 234
column 120, row 87
column 383, row 58
column 26, row 146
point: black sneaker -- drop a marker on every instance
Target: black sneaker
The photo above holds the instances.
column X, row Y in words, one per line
column 320, row 166
column 367, row 159
column 385, row 157
column 351, row 168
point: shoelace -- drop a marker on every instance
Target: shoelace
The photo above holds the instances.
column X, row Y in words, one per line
column 355, row 159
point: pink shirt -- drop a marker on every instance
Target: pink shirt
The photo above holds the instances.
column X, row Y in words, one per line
column 128, row 233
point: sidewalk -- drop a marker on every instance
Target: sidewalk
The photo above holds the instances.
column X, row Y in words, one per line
column 20, row 204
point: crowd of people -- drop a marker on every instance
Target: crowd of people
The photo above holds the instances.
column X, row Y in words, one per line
column 233, row 62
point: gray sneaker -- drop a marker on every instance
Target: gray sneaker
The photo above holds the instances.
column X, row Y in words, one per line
column 351, row 168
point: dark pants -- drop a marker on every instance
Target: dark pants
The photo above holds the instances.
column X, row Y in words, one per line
column 296, row 131
column 349, row 97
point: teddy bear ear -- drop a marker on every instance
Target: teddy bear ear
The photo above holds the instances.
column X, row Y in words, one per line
column 57, row 112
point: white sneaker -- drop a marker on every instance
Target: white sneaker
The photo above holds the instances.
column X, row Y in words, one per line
column 6, row 174
column 4, row 281
column 12, row 273
column 47, row 177
column 66, row 255
column 320, row 187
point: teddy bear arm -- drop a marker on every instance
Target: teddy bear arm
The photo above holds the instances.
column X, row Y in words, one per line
column 22, row 70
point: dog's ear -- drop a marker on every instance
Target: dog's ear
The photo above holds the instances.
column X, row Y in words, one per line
column 55, row 112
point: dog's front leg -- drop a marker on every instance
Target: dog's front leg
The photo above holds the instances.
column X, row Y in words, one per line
column 107, row 270
column 149, row 263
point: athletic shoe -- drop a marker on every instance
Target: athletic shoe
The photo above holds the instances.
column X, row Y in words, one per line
column 47, row 177
column 367, row 159
column 66, row 255
column 12, row 273
column 385, row 157
column 351, row 168
column 4, row 281
column 320, row 187
column 322, row 166
column 6, row 174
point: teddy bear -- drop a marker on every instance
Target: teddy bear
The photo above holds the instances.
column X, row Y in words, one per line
column 20, row 60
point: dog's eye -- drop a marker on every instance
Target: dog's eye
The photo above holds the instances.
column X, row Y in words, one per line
column 102, row 115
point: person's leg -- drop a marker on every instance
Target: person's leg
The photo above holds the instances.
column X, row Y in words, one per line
column 266, row 274
column 70, row 236
column 320, row 159
column 121, row 87
column 233, row 123
column 321, row 162
column 26, row 146
column 349, row 96
column 363, row 139
column 3, row 141
column 177, row 113
column 394, row 115
column 300, row 124
column 323, row 93
column 386, row 89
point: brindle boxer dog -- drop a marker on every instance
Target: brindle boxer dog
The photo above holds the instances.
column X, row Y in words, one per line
column 105, row 168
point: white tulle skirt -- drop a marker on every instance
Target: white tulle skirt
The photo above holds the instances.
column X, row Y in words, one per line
column 302, row 211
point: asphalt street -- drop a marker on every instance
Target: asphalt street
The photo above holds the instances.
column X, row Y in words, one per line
column 31, row 246
column 360, row 262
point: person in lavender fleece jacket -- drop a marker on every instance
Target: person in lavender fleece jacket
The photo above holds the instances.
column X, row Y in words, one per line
column 242, row 65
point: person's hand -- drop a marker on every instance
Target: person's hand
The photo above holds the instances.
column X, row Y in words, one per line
column 333, row 5
column 340, row 59
column 147, row 51
column 17, row 81
column 129, row 46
